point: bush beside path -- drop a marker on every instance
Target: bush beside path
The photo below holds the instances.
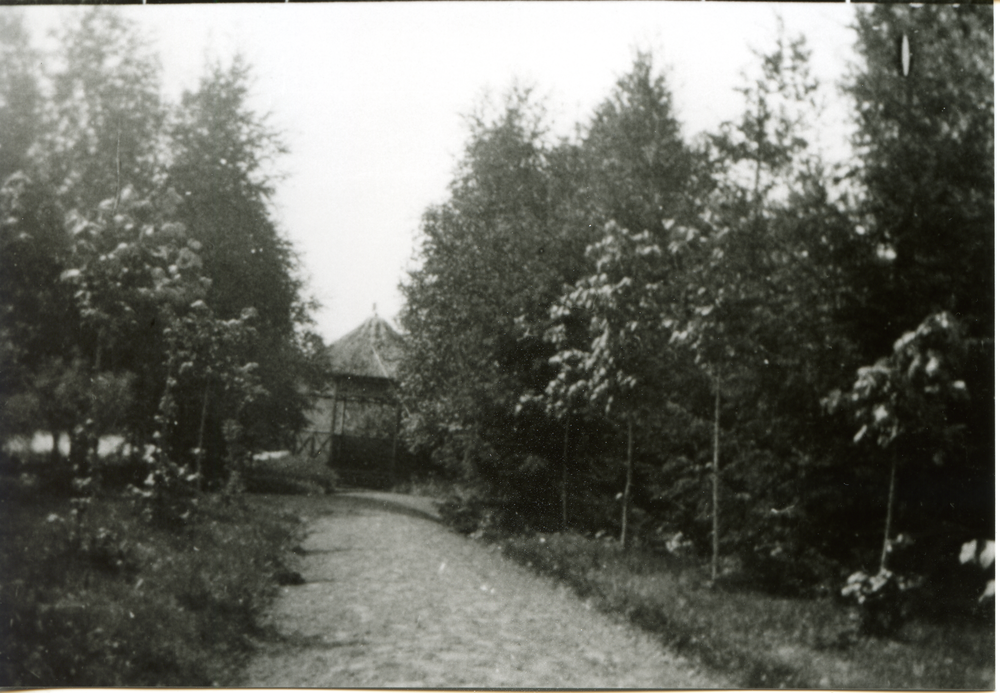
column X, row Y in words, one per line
column 391, row 598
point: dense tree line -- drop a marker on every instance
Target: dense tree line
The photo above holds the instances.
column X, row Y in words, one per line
column 726, row 341
column 145, row 286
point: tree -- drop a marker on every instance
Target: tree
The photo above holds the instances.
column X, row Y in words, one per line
column 102, row 128
column 20, row 94
column 129, row 262
column 744, row 284
column 223, row 161
column 639, row 171
column 925, row 236
column 37, row 317
column 635, row 172
column 926, row 144
column 625, row 305
column 491, row 255
column 906, row 403
column 125, row 307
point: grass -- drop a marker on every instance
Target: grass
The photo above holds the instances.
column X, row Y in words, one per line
column 760, row 641
column 427, row 486
column 113, row 601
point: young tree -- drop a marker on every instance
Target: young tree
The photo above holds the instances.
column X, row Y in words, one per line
column 907, row 402
column 128, row 262
column 625, row 304
column 745, row 286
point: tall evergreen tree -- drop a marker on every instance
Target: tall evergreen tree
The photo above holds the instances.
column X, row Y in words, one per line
column 639, row 169
column 223, row 167
column 926, row 143
column 926, row 236
column 490, row 256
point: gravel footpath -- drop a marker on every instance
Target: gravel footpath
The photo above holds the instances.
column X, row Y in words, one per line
column 394, row 599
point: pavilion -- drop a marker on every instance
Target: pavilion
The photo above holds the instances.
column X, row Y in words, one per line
column 355, row 422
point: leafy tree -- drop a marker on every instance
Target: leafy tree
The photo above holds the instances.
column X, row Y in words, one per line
column 128, row 262
column 37, row 317
column 907, row 402
column 747, row 269
column 20, row 94
column 639, row 171
column 206, row 355
column 926, row 144
column 624, row 303
column 97, row 129
column 102, row 127
column 634, row 173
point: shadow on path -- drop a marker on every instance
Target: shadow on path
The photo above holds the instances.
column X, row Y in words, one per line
column 378, row 501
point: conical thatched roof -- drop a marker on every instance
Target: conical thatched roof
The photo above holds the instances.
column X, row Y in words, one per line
column 373, row 350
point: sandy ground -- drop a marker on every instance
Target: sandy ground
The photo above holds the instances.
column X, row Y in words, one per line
column 394, row 599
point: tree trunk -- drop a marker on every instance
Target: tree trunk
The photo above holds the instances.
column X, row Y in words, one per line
column 55, row 456
column 333, row 427
column 565, row 465
column 628, row 485
column 715, row 485
column 201, row 435
column 888, row 514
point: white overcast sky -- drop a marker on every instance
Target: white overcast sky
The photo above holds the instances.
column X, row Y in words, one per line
column 370, row 97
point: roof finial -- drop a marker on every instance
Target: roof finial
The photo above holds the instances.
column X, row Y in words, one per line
column 375, row 309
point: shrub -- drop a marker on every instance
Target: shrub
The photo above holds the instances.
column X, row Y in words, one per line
column 288, row 474
column 881, row 600
column 463, row 511
column 112, row 600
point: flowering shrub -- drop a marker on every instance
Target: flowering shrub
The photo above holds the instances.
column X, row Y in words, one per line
column 880, row 599
column 981, row 553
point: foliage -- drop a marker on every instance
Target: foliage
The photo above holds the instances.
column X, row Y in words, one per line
column 115, row 602
column 880, row 599
column 282, row 473
column 911, row 398
column 125, row 303
column 717, row 336
column 489, row 255
column 926, row 145
column 102, row 126
column 759, row 640
column 628, row 306
column 223, row 167
column 908, row 393
column 20, row 94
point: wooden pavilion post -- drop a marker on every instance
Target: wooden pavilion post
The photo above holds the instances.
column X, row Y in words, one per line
column 333, row 422
column 395, row 439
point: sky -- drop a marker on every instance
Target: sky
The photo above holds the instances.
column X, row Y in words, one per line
column 371, row 97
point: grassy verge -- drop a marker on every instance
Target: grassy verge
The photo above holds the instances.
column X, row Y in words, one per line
column 112, row 601
column 759, row 640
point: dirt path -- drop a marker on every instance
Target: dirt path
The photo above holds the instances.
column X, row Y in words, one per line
column 394, row 599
